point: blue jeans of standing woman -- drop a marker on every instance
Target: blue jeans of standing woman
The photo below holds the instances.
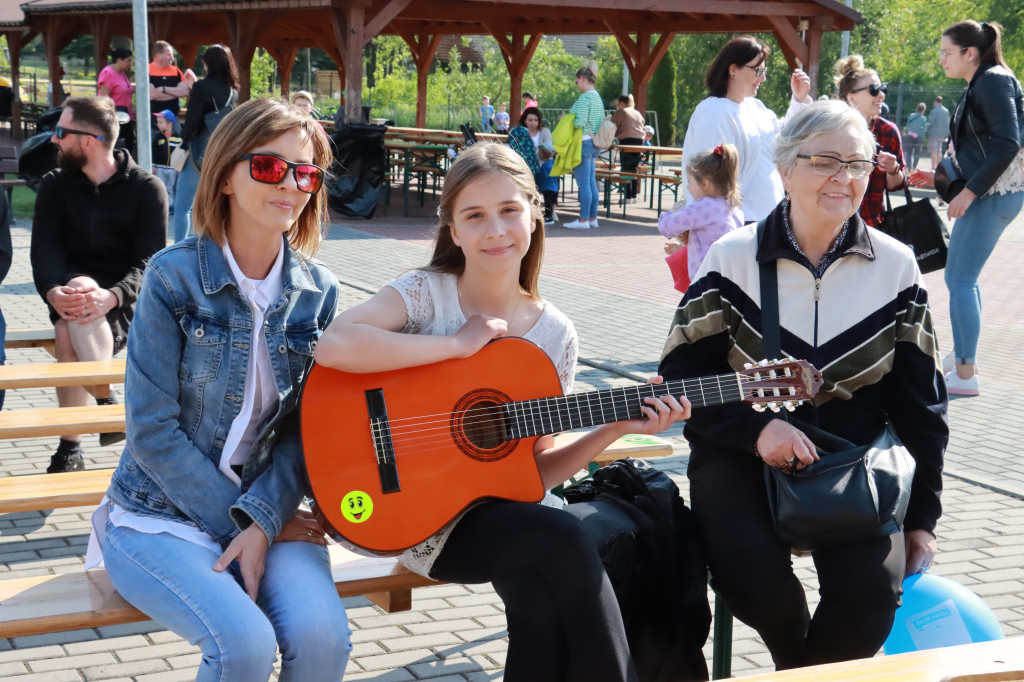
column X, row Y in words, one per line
column 586, row 180
column 971, row 242
column 298, row 609
column 184, row 195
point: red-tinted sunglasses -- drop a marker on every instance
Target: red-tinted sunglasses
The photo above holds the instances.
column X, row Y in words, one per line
column 271, row 169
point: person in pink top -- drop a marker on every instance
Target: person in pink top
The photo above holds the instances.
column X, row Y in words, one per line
column 114, row 82
column 712, row 180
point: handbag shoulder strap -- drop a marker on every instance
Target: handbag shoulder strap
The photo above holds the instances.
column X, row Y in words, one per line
column 772, row 343
column 906, row 193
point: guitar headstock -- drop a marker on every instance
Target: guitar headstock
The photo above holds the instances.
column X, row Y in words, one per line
column 779, row 384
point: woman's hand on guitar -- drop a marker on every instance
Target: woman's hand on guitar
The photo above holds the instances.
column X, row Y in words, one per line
column 303, row 527
column 661, row 412
column 785, row 447
column 250, row 548
column 476, row 333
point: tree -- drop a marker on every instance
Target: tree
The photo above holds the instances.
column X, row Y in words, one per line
column 661, row 98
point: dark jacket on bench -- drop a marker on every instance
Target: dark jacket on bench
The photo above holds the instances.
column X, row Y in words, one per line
column 104, row 231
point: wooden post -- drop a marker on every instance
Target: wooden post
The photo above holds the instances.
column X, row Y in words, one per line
column 56, row 35
column 285, row 59
column 813, row 65
column 517, row 52
column 641, row 59
column 189, row 54
column 352, row 32
column 423, row 47
column 244, row 29
column 791, row 44
column 99, row 24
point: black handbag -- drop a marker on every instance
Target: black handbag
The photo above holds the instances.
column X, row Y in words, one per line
column 852, row 492
column 918, row 225
column 949, row 180
column 211, row 119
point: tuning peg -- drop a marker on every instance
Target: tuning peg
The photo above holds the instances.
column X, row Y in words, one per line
column 789, row 405
column 774, row 407
column 763, row 363
column 747, row 365
column 758, row 407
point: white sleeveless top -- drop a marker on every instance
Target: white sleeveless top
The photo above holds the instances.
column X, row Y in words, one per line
column 432, row 303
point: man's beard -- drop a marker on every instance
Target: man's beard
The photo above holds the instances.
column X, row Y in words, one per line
column 70, row 161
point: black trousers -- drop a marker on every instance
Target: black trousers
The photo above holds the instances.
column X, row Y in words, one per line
column 751, row 569
column 564, row 623
column 550, row 201
column 630, row 161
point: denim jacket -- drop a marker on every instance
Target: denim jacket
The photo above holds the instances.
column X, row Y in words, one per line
column 188, row 352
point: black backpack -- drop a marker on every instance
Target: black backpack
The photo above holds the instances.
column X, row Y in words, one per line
column 647, row 539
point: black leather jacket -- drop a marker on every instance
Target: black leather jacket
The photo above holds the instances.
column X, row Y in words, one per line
column 987, row 127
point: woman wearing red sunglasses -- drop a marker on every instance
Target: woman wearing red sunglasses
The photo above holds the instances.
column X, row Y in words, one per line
column 861, row 88
column 201, row 528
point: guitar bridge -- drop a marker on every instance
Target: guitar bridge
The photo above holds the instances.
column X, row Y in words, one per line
column 384, row 448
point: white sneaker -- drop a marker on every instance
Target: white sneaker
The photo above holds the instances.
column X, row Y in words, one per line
column 957, row 386
column 948, row 362
column 593, row 223
column 554, row 216
column 578, row 225
column 549, row 222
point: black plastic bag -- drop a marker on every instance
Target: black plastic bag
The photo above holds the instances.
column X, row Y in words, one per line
column 358, row 169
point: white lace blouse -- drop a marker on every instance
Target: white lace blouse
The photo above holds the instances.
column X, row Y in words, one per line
column 432, row 302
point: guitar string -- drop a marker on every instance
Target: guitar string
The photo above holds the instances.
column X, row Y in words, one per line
column 689, row 384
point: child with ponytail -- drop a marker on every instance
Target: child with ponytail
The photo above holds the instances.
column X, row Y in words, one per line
column 712, row 180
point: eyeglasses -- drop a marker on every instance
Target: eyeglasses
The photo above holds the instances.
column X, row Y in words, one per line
column 945, row 53
column 874, row 89
column 271, row 169
column 758, row 70
column 824, row 164
column 60, row 132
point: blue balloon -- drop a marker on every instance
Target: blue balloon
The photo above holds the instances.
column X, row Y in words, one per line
column 938, row 612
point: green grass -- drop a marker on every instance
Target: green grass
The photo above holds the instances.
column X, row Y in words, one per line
column 24, row 201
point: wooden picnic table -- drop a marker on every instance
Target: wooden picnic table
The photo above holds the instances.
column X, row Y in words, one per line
column 417, row 154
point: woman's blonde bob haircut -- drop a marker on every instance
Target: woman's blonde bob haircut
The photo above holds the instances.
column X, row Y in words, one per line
column 477, row 160
column 244, row 130
column 820, row 118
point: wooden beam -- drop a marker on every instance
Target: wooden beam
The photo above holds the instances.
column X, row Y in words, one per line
column 790, row 42
column 423, row 48
column 517, row 50
column 285, row 59
column 384, row 17
column 16, row 41
column 56, row 36
column 99, row 24
column 244, row 29
column 813, row 65
column 640, row 58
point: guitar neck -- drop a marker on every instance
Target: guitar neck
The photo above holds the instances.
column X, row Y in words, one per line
column 543, row 416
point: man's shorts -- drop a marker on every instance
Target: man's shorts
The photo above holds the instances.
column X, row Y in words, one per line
column 935, row 145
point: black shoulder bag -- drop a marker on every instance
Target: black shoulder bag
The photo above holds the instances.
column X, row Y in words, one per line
column 853, row 492
column 197, row 145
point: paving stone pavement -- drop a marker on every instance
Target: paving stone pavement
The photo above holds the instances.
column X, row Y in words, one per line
column 613, row 284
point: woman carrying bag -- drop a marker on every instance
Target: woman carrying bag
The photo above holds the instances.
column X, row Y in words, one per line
column 987, row 129
column 215, row 94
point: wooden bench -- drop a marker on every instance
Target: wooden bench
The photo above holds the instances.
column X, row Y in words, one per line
column 36, row 492
column 39, row 374
column 75, row 601
column 57, row 421
column 9, row 166
column 671, row 182
column 41, row 337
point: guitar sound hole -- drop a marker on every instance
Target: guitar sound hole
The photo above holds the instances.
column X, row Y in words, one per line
column 484, row 425
column 478, row 425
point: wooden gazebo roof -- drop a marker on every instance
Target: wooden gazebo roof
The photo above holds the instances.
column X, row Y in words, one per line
column 343, row 27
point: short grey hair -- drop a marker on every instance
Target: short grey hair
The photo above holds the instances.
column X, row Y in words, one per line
column 820, row 118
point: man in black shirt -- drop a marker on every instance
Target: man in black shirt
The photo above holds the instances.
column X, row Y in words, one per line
column 98, row 218
column 167, row 84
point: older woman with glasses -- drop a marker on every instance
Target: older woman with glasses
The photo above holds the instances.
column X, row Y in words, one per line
column 851, row 300
column 987, row 130
column 201, row 529
column 732, row 113
column 861, row 88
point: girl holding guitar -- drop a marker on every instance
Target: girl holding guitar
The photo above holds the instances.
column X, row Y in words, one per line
column 481, row 284
column 201, row 529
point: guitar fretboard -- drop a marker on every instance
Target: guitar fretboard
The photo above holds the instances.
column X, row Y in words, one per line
column 542, row 416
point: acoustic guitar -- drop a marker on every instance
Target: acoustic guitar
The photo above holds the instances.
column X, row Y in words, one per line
column 394, row 456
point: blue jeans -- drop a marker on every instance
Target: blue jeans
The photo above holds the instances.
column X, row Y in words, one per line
column 298, row 608
column 971, row 242
column 184, row 195
column 586, row 180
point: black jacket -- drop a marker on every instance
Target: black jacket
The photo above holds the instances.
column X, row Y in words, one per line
column 987, row 126
column 207, row 96
column 104, row 231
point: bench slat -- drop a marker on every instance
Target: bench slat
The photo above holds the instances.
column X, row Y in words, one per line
column 41, row 337
column 35, row 492
column 41, row 374
column 73, row 601
column 55, row 421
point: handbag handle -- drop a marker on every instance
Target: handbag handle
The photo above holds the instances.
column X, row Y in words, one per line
column 906, row 192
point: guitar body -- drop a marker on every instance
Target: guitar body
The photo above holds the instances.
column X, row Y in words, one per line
column 435, row 427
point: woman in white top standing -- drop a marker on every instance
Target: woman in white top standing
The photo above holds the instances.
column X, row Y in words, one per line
column 732, row 113
column 481, row 283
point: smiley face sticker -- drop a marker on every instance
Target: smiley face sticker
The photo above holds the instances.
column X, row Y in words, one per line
column 357, row 506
